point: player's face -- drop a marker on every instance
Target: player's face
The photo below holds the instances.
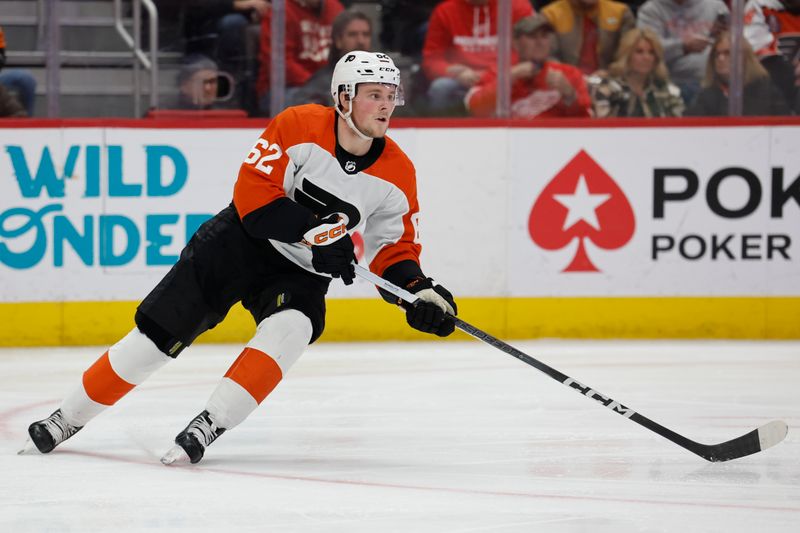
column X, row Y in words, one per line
column 534, row 47
column 643, row 58
column 722, row 60
column 202, row 87
column 356, row 36
column 373, row 106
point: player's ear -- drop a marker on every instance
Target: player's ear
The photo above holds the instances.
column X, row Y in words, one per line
column 344, row 101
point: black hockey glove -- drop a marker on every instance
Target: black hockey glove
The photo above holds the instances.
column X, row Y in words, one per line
column 434, row 311
column 332, row 250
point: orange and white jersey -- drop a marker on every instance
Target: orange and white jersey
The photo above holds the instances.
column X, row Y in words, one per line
column 296, row 158
column 771, row 29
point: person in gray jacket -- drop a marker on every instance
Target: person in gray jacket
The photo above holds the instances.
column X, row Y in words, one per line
column 687, row 28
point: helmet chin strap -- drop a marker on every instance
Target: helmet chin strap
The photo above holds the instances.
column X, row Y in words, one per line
column 348, row 118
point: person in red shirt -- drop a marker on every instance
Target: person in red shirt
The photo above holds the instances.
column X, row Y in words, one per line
column 308, row 41
column 772, row 27
column 461, row 44
column 540, row 87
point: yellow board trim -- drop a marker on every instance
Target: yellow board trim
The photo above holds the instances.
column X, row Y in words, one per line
column 103, row 323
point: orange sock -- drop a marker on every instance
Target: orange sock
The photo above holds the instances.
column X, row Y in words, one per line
column 126, row 364
column 103, row 384
column 256, row 372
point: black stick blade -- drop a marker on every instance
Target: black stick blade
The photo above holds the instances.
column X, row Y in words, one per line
column 757, row 440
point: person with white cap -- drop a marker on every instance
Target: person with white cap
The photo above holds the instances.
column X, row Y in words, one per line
column 313, row 177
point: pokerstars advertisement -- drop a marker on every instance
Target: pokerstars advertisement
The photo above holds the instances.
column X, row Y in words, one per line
column 672, row 212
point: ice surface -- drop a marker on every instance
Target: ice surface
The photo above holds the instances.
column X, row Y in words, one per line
column 418, row 437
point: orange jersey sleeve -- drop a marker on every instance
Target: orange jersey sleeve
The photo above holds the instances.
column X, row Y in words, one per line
column 263, row 173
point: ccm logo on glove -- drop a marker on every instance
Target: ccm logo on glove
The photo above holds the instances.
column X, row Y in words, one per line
column 327, row 232
column 332, row 250
column 322, row 234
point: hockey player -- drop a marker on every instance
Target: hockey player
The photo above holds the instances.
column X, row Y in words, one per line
column 315, row 175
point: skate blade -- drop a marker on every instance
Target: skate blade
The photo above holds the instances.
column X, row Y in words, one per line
column 29, row 448
column 175, row 455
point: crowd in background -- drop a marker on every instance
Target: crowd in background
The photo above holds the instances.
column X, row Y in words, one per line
column 570, row 58
column 17, row 87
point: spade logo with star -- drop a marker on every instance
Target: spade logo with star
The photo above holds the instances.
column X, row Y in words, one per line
column 581, row 202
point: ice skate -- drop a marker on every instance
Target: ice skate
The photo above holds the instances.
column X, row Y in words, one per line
column 46, row 434
column 191, row 443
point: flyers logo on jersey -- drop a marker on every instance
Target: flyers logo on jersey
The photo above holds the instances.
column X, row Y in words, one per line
column 581, row 202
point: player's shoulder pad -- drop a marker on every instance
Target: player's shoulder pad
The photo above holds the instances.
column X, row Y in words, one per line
column 396, row 158
column 395, row 167
column 304, row 114
column 313, row 110
column 305, row 123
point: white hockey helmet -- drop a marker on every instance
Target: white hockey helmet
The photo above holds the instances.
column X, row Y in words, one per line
column 364, row 67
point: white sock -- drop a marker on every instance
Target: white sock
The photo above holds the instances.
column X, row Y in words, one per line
column 278, row 343
column 126, row 364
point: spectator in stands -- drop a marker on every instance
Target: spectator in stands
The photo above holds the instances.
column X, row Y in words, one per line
column 199, row 84
column 404, row 24
column 22, row 85
column 540, row 87
column 632, row 4
column 209, row 27
column 760, row 97
column 352, row 30
column 17, row 87
column 224, row 30
column 637, row 83
column 686, row 28
column 588, row 31
column 9, row 105
column 308, row 41
column 772, row 27
column 461, row 45
column 218, row 28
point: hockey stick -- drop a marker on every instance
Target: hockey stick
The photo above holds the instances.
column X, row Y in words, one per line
column 757, row 440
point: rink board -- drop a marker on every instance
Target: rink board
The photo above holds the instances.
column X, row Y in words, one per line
column 679, row 229
column 100, row 323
